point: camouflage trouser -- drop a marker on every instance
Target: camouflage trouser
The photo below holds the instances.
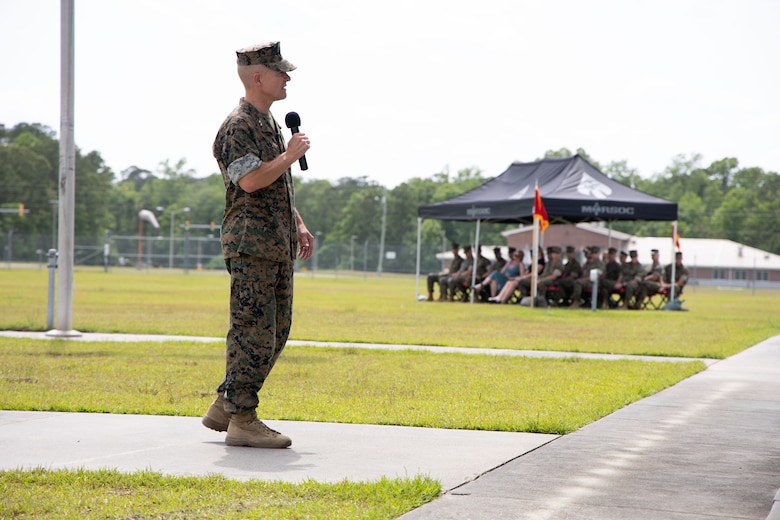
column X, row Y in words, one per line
column 261, row 294
column 433, row 279
column 567, row 286
column 579, row 285
column 632, row 291
column 646, row 288
column 605, row 289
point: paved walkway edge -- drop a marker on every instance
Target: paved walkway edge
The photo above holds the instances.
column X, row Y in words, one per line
column 98, row 336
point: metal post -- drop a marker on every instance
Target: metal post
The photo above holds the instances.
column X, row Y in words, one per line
column 148, row 252
column 54, row 203
column 52, row 265
column 594, row 279
column 315, row 265
column 9, row 247
column 170, row 248
column 170, row 245
column 365, row 258
column 67, row 170
column 186, row 250
column 382, row 238
column 477, row 250
column 106, row 251
column 352, row 253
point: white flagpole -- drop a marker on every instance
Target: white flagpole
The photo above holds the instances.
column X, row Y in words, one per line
column 535, row 262
column 674, row 262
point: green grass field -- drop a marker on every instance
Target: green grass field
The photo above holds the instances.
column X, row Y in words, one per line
column 384, row 310
column 405, row 387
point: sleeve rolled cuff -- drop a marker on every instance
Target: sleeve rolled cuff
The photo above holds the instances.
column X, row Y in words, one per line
column 240, row 167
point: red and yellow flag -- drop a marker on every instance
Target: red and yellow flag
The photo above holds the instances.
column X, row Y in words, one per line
column 676, row 236
column 539, row 211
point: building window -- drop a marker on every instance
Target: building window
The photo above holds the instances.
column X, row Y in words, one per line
column 719, row 274
column 762, row 276
column 740, row 275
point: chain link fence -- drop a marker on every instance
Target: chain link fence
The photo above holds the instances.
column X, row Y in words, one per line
column 205, row 252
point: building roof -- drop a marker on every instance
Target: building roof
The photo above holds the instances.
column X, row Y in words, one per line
column 707, row 252
column 595, row 228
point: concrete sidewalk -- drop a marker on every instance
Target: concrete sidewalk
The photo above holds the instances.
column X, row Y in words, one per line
column 324, row 452
column 707, row 448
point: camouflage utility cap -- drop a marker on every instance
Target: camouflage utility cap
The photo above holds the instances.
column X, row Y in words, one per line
column 267, row 54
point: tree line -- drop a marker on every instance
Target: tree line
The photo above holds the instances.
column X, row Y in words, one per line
column 721, row 200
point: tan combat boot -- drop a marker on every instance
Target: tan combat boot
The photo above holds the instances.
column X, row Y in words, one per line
column 216, row 417
column 245, row 429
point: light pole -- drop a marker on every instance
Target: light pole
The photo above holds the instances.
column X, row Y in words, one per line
column 148, row 216
column 352, row 253
column 170, row 250
column 317, row 236
column 54, row 203
column 382, row 237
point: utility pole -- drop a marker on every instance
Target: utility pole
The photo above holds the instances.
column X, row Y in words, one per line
column 67, row 199
column 382, row 238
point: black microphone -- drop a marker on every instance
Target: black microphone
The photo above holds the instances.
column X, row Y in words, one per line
column 293, row 121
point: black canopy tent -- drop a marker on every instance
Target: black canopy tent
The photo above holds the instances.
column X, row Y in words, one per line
column 572, row 190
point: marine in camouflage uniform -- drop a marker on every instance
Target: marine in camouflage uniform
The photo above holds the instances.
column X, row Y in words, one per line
column 553, row 270
column 594, row 262
column 572, row 270
column 259, row 243
column 631, row 277
column 441, row 277
column 455, row 281
column 611, row 279
column 680, row 275
column 261, row 230
column 651, row 282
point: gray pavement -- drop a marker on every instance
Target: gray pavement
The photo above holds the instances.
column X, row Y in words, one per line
column 706, row 448
column 324, row 452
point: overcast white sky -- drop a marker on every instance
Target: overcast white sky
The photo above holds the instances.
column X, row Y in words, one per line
column 402, row 89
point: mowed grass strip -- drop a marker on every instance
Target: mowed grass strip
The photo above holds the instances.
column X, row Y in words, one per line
column 103, row 494
column 384, row 310
column 411, row 388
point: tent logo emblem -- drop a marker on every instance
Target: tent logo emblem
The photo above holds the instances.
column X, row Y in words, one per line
column 474, row 211
column 597, row 210
column 590, row 186
column 520, row 194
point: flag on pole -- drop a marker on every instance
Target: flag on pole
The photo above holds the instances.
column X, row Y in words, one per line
column 539, row 212
column 676, row 236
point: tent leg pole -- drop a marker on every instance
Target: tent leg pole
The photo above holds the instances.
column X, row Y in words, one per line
column 417, row 276
column 476, row 262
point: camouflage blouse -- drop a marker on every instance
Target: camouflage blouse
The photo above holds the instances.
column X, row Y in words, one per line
column 260, row 223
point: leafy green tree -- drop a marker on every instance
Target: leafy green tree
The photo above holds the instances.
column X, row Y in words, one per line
column 565, row 152
column 25, row 178
column 30, row 173
column 750, row 211
column 719, row 200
